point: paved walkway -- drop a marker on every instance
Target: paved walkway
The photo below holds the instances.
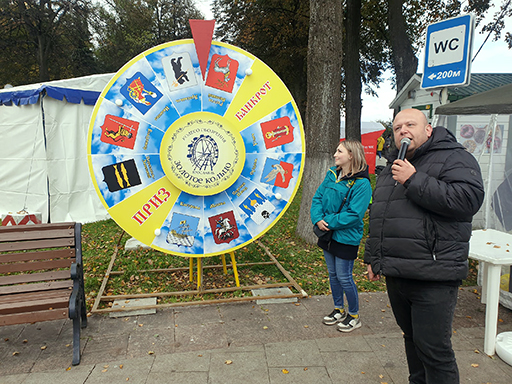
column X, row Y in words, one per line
column 241, row 343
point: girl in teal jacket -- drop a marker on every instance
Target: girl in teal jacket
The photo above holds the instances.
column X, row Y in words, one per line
column 348, row 178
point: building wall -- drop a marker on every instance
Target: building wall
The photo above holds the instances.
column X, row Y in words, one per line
column 474, row 132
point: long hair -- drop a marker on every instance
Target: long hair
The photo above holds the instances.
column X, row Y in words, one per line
column 358, row 162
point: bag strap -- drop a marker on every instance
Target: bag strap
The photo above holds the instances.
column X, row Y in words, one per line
column 350, row 184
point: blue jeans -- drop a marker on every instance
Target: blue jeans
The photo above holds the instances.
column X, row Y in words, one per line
column 424, row 310
column 342, row 282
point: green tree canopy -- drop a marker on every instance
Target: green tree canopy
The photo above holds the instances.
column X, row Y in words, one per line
column 44, row 40
column 125, row 28
column 276, row 31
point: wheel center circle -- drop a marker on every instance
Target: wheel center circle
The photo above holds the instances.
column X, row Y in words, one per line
column 201, row 154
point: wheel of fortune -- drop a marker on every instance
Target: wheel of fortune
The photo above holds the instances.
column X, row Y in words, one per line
column 196, row 160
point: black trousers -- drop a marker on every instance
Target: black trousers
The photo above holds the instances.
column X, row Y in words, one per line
column 424, row 310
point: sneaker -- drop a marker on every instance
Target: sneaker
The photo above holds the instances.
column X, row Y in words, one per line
column 335, row 317
column 349, row 324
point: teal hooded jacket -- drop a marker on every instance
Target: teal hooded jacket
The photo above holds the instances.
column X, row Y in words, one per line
column 348, row 223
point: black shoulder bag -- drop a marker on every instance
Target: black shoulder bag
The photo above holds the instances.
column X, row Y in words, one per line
column 327, row 235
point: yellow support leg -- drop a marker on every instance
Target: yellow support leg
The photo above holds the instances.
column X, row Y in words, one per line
column 235, row 271
column 191, row 270
column 224, row 264
column 199, row 273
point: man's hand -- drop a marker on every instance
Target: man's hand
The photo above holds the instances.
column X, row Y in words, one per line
column 402, row 170
column 323, row 225
column 371, row 275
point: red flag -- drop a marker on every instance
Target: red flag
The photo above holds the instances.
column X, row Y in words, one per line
column 284, row 180
column 222, row 73
column 119, row 131
column 277, row 132
column 224, row 228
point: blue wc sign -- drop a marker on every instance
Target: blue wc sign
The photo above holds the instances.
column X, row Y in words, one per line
column 448, row 53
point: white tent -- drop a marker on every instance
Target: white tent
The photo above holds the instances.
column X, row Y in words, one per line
column 43, row 149
column 481, row 122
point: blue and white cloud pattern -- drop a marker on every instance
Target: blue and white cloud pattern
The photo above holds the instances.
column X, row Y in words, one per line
column 162, row 113
column 253, row 136
column 221, row 100
column 254, row 168
column 215, row 205
column 183, row 229
column 148, row 138
column 256, row 208
column 149, row 169
column 177, row 69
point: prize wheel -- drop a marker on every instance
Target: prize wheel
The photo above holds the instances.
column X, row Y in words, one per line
column 196, row 162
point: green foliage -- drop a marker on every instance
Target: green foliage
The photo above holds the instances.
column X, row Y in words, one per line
column 44, row 40
column 125, row 28
column 276, row 31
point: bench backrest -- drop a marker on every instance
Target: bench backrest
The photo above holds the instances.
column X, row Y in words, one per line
column 38, row 257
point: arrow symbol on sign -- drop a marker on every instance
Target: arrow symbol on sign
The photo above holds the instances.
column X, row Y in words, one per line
column 432, row 76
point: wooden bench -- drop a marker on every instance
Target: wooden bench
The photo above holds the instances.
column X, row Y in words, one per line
column 41, row 276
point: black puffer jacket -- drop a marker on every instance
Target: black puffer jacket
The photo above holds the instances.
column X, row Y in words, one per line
column 421, row 230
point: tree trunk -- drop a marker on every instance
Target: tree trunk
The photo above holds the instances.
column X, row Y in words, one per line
column 403, row 58
column 42, row 58
column 353, row 71
column 323, row 106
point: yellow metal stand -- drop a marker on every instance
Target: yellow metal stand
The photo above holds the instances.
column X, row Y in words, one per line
column 200, row 269
column 291, row 283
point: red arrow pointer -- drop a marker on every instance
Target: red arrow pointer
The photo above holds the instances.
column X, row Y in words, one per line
column 202, row 32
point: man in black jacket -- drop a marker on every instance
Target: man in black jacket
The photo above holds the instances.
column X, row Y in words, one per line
column 420, row 226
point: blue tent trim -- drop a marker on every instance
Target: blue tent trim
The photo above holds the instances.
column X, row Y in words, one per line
column 31, row 96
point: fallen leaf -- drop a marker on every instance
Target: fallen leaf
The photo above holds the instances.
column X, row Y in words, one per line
column 265, row 327
column 6, row 339
column 15, row 353
column 121, row 366
column 43, row 347
column 151, row 353
column 305, row 368
column 477, row 351
column 68, row 369
column 25, row 341
column 474, row 365
column 228, row 362
column 105, row 370
column 306, row 326
column 68, row 345
column 381, row 376
column 285, row 371
column 141, row 325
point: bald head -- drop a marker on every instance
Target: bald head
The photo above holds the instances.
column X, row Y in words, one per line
column 413, row 124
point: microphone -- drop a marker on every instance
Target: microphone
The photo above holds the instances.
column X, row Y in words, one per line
column 404, row 144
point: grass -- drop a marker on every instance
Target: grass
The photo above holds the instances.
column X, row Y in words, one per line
column 303, row 261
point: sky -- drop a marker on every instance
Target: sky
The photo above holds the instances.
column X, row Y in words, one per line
column 494, row 57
